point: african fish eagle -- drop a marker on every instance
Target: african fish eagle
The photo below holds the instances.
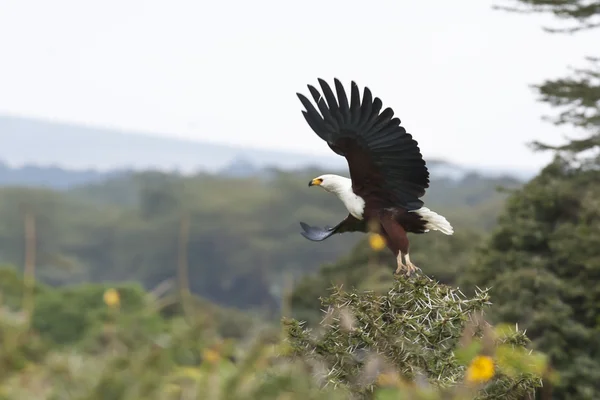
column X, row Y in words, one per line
column 388, row 175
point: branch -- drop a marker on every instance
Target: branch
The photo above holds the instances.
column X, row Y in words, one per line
column 586, row 13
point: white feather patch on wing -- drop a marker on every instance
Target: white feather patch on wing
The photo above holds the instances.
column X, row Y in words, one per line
column 435, row 221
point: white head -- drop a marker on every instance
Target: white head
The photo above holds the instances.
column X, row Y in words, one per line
column 342, row 188
column 332, row 183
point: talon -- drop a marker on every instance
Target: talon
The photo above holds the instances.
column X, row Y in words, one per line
column 399, row 269
column 411, row 268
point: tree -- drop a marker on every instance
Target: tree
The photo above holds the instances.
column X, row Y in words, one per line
column 586, row 13
column 543, row 259
column 579, row 99
column 577, row 96
column 543, row 264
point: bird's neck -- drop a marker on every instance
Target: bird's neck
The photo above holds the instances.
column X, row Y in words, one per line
column 354, row 203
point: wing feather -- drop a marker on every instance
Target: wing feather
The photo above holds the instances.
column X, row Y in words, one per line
column 348, row 224
column 343, row 102
column 385, row 162
column 329, row 96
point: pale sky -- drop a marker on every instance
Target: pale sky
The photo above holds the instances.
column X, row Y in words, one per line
column 455, row 72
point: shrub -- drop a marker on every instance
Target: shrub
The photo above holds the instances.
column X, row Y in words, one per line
column 418, row 332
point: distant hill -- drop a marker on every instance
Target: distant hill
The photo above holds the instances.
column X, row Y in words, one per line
column 41, row 153
column 30, row 141
column 52, row 177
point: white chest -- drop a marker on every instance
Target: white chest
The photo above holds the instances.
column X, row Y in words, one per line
column 354, row 204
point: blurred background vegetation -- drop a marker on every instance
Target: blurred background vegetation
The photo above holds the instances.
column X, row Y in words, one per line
column 156, row 285
column 244, row 242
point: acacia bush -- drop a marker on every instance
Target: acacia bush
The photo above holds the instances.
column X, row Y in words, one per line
column 419, row 331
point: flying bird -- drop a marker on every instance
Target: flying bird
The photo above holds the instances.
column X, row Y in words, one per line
column 388, row 175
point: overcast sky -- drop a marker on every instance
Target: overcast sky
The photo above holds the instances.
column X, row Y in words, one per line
column 455, row 72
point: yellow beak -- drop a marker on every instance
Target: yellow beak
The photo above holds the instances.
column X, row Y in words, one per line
column 315, row 182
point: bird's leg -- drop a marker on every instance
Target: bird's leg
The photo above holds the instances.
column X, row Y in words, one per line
column 412, row 268
column 409, row 267
column 401, row 265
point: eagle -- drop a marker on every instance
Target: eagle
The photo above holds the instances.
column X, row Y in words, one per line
column 388, row 176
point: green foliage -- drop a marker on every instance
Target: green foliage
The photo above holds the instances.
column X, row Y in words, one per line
column 18, row 346
column 146, row 368
column 583, row 12
column 543, row 263
column 12, row 287
column 69, row 315
column 77, row 316
column 417, row 326
column 577, row 96
column 543, row 260
column 419, row 331
column 244, row 235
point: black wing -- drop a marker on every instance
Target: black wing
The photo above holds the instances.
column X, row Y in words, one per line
column 348, row 224
column 385, row 162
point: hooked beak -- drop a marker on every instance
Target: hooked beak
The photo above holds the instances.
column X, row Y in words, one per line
column 315, row 182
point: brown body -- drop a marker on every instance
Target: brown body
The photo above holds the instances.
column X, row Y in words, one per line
column 394, row 225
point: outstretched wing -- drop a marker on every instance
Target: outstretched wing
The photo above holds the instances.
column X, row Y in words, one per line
column 348, row 224
column 385, row 162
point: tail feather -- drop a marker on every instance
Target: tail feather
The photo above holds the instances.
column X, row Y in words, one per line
column 435, row 221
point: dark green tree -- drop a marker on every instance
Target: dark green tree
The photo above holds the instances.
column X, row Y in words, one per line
column 543, row 264
column 543, row 260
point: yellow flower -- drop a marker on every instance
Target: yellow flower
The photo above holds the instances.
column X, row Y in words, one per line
column 211, row 356
column 111, row 298
column 480, row 370
column 376, row 241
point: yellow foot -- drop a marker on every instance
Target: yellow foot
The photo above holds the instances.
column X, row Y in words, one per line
column 409, row 267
